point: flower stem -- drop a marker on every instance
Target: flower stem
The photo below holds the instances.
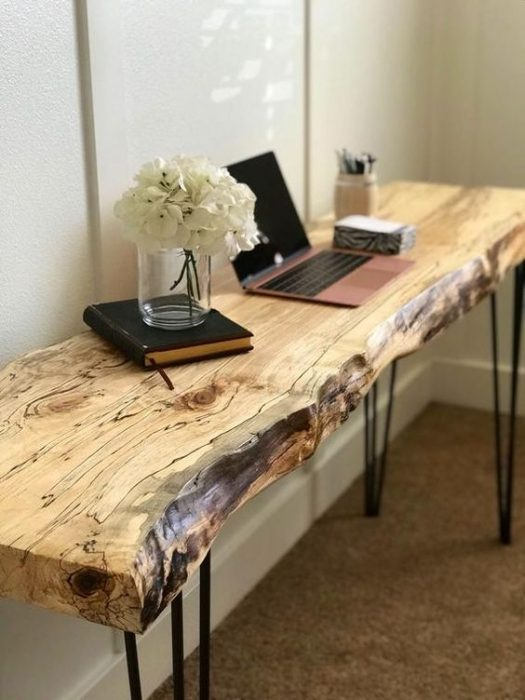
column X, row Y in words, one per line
column 190, row 290
column 195, row 275
column 183, row 270
column 189, row 268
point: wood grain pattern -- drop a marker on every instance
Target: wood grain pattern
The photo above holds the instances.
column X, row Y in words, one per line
column 112, row 487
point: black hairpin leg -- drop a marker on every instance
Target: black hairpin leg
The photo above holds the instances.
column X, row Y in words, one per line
column 177, row 636
column 135, row 691
column 505, row 462
column 204, row 628
column 177, row 647
column 177, row 642
column 375, row 465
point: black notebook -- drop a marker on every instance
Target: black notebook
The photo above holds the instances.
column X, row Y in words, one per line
column 121, row 323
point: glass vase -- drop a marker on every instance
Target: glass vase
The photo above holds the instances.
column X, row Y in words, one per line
column 173, row 287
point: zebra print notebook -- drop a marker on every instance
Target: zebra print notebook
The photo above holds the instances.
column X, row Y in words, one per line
column 373, row 235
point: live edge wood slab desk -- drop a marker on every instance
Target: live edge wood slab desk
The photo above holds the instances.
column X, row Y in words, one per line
column 113, row 487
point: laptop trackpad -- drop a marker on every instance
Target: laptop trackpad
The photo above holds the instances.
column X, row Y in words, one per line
column 369, row 278
column 360, row 285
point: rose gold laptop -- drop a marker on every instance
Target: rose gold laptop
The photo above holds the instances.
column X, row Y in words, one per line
column 285, row 264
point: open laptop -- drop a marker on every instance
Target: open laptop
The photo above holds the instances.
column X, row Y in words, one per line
column 285, row 264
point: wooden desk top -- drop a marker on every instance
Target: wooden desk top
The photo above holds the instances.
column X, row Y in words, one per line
column 112, row 487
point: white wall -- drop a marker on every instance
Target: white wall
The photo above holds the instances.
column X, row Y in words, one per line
column 226, row 78
column 228, row 83
column 478, row 102
column 45, row 268
column 371, row 69
column 478, row 95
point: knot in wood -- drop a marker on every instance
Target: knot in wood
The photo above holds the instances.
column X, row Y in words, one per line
column 65, row 404
column 88, row 582
column 201, row 398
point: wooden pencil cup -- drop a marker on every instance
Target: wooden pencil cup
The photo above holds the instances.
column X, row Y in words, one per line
column 355, row 194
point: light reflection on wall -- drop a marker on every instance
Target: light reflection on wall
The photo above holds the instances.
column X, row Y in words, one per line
column 223, row 78
column 271, row 17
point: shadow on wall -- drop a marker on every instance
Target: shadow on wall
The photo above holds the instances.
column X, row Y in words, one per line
column 241, row 68
column 273, row 27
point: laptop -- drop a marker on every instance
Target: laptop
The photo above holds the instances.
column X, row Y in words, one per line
column 285, row 264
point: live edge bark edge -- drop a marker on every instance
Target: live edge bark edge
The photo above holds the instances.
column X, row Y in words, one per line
column 165, row 561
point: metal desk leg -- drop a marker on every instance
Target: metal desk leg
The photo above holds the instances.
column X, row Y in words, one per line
column 177, row 647
column 135, row 691
column 177, row 643
column 375, row 465
column 204, row 636
column 204, row 627
column 505, row 463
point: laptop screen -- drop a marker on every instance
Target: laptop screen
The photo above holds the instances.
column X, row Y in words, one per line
column 281, row 230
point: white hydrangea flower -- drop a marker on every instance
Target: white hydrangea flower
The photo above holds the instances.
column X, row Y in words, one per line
column 187, row 202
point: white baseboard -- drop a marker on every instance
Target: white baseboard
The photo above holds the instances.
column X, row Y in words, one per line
column 469, row 383
column 269, row 525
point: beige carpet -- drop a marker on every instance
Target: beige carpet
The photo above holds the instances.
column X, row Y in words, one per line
column 421, row 603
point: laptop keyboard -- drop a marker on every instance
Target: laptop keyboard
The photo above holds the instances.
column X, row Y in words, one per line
column 309, row 278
